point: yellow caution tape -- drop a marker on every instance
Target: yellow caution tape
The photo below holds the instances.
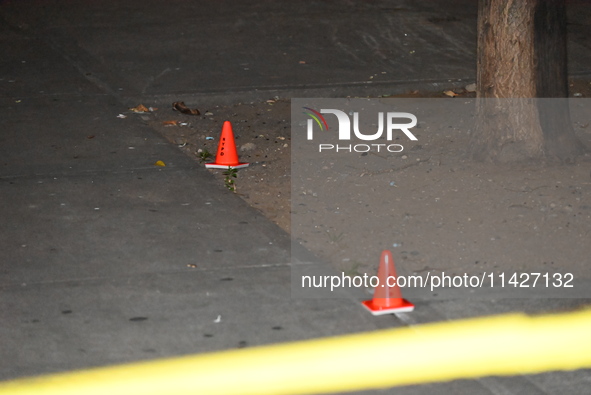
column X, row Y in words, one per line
column 504, row 345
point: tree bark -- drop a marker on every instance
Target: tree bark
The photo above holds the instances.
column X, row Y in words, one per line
column 521, row 64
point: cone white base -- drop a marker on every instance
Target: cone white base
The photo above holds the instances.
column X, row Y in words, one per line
column 404, row 307
column 218, row 166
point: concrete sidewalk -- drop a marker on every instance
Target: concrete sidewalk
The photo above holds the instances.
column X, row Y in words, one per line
column 107, row 258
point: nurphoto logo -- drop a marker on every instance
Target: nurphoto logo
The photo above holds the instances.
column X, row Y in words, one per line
column 391, row 119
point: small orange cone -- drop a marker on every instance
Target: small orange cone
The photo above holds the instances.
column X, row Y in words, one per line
column 387, row 299
column 227, row 156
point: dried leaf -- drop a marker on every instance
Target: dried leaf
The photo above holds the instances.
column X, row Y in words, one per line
column 181, row 107
column 140, row 109
column 160, row 163
column 450, row 93
column 170, row 123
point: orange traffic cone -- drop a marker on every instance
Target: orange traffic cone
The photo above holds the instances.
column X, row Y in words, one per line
column 227, row 156
column 387, row 298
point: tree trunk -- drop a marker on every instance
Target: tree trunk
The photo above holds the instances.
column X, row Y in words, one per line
column 522, row 56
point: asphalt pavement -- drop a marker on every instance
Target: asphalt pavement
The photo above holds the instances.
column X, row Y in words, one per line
column 107, row 258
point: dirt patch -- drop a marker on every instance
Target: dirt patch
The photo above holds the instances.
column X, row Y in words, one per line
column 262, row 135
column 447, row 214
